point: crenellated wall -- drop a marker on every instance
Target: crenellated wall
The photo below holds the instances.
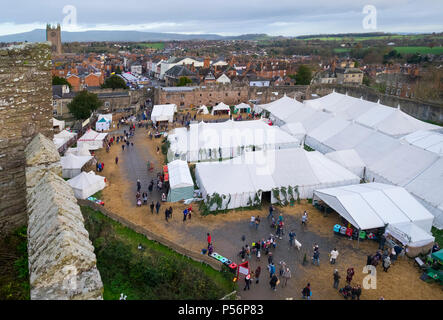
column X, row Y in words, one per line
column 62, row 262
column 25, row 109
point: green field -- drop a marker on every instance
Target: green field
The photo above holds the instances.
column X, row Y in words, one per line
column 421, row 50
column 387, row 37
column 154, row 273
column 156, row 45
column 341, row 50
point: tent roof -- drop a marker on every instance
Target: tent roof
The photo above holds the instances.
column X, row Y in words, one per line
column 71, row 161
column 179, row 175
column 348, row 158
column 266, row 170
column 373, row 205
column 221, row 106
column 162, row 112
column 92, row 135
column 85, row 179
column 427, row 140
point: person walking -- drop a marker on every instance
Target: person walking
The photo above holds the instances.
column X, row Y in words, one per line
column 170, row 212
column 116, row 160
column 185, row 213
column 304, row 218
column 139, row 185
column 209, row 238
column 257, row 222
column 157, row 207
column 273, row 282
column 334, row 255
column 271, row 211
column 166, row 214
column 152, row 207
column 316, row 257
column 247, row 282
column 386, row 264
column 286, row 276
column 271, row 269
column 291, row 238
column 336, row 279
column 252, row 223
column 257, row 274
column 306, row 292
column 349, row 275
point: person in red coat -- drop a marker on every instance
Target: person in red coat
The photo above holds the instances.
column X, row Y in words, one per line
column 209, row 239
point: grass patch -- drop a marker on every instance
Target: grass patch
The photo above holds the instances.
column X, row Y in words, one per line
column 156, row 45
column 154, row 273
column 420, row 50
column 438, row 234
column 14, row 276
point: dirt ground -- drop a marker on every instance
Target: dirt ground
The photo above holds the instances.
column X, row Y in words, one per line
column 400, row 282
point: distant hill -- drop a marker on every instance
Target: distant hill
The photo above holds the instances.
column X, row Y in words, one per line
column 39, row 35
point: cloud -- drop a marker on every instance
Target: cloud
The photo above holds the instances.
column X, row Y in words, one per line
column 285, row 17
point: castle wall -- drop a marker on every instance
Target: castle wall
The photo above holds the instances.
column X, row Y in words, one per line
column 25, row 109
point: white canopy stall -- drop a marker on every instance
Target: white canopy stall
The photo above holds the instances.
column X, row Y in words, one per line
column 86, row 184
column 63, row 137
column 203, row 110
column 163, row 112
column 180, row 181
column 221, row 108
column 375, row 205
column 104, row 122
column 72, row 165
column 93, row 139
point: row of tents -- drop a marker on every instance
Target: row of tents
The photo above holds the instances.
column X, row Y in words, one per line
column 393, row 147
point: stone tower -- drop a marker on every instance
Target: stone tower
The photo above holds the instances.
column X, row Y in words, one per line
column 54, row 35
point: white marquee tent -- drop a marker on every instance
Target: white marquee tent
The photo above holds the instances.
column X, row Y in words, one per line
column 93, row 139
column 375, row 205
column 79, row 151
column 212, row 141
column 280, row 109
column 62, row 137
column 348, row 159
column 86, row 184
column 242, row 107
column 427, row 140
column 163, row 112
column 221, row 107
column 428, row 188
column 241, row 178
column 295, row 129
column 72, row 165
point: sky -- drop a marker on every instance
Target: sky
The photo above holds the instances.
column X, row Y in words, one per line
column 226, row 17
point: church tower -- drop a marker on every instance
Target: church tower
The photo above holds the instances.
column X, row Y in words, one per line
column 54, row 35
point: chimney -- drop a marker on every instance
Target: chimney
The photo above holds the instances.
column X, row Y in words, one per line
column 206, row 63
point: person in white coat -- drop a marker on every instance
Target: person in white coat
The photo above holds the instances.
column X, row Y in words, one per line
column 334, row 255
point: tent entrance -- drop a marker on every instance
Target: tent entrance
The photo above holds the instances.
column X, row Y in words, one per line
column 266, row 198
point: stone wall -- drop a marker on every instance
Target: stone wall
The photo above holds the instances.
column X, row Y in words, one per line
column 62, row 263
column 229, row 94
column 419, row 109
column 25, row 109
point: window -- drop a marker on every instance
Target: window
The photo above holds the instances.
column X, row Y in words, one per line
column 239, row 94
column 107, row 104
column 182, row 104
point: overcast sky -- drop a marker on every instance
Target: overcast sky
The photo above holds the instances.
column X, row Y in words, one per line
column 225, row 17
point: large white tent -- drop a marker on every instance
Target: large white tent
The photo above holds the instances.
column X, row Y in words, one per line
column 180, row 181
column 375, row 205
column 163, row 112
column 295, row 129
column 86, row 184
column 428, row 188
column 317, row 137
column 72, row 165
column 212, row 141
column 93, row 139
column 220, row 107
column 79, row 151
column 348, row 159
column 243, row 177
column 280, row 109
column 427, row 140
